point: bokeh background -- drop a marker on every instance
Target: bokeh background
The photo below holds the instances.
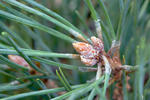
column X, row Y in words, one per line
column 135, row 39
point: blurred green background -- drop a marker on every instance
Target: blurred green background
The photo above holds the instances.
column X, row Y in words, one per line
column 134, row 30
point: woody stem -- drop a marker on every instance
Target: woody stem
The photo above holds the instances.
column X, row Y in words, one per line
column 99, row 71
